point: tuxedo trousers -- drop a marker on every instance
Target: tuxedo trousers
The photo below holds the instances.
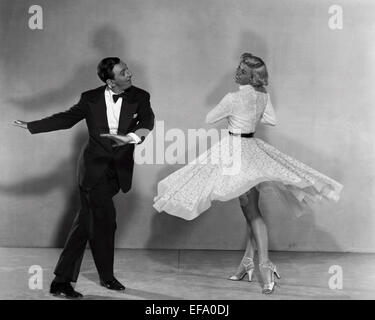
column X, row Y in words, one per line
column 95, row 223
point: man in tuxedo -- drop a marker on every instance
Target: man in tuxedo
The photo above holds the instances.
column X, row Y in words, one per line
column 118, row 116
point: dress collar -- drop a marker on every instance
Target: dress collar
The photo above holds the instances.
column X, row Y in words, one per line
column 246, row 86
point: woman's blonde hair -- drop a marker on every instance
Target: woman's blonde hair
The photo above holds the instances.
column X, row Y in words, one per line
column 259, row 73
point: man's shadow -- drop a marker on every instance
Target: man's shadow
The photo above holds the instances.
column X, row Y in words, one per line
column 63, row 176
column 105, row 41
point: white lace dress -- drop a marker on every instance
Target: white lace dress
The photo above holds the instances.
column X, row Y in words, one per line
column 235, row 164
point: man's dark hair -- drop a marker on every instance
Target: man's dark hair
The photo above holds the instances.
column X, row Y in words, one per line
column 105, row 68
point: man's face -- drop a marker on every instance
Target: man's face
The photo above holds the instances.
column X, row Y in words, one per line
column 243, row 74
column 122, row 75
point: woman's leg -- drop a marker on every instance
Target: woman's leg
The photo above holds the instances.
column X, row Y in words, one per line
column 247, row 262
column 256, row 223
column 259, row 230
column 250, row 249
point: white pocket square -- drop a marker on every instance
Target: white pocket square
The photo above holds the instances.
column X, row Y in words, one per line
column 135, row 115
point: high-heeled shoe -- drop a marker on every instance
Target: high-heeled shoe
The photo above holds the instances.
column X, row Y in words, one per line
column 246, row 267
column 268, row 288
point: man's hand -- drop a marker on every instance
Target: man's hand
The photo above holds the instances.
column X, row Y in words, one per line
column 118, row 138
column 20, row 123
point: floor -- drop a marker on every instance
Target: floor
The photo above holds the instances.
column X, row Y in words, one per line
column 193, row 275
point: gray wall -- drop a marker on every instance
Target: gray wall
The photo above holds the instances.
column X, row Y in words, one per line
column 185, row 53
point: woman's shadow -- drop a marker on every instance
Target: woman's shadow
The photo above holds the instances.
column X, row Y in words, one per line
column 303, row 233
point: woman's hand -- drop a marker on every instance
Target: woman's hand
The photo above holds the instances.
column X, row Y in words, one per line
column 118, row 138
column 20, row 123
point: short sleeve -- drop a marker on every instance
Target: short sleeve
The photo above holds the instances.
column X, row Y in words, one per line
column 221, row 111
column 269, row 116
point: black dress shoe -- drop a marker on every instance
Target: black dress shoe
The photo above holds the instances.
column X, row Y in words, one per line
column 113, row 284
column 64, row 289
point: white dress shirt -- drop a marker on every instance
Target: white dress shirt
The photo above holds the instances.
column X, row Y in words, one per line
column 244, row 109
column 113, row 114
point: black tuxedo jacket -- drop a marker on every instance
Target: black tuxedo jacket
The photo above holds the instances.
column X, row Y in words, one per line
column 136, row 114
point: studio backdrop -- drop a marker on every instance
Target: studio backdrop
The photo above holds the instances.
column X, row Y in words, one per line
column 320, row 56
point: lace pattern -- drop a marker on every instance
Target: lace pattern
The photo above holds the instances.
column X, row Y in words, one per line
column 190, row 190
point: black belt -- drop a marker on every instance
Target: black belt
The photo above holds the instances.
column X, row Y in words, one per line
column 243, row 135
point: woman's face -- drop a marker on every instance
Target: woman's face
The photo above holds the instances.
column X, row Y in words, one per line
column 243, row 74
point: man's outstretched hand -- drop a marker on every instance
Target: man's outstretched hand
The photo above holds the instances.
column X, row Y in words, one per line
column 118, row 138
column 20, row 123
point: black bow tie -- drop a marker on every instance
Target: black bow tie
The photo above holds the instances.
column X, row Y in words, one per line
column 117, row 96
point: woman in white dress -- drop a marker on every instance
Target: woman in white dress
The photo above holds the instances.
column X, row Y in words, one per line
column 189, row 191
